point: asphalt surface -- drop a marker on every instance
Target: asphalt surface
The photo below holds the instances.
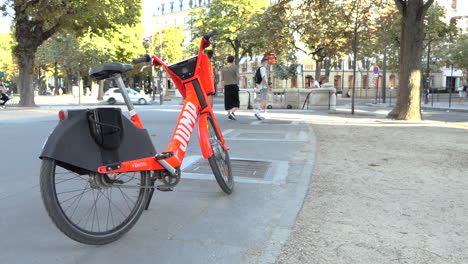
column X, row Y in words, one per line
column 196, row 223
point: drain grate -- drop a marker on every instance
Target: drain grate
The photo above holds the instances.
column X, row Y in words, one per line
column 240, row 168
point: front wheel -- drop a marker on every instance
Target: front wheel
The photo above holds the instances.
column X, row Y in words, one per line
column 219, row 161
column 92, row 208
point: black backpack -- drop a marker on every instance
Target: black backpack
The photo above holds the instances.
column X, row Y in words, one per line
column 258, row 76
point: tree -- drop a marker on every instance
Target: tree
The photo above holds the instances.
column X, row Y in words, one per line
column 6, row 59
column 412, row 36
column 459, row 52
column 35, row 21
column 170, row 41
column 323, row 26
column 437, row 36
column 233, row 20
column 279, row 36
column 286, row 67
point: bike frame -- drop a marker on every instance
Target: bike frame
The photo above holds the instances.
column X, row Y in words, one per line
column 196, row 108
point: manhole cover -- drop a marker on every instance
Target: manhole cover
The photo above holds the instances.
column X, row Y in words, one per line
column 240, row 168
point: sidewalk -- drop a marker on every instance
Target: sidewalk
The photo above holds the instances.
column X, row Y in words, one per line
column 66, row 99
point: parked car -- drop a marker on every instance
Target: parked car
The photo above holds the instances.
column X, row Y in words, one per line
column 114, row 95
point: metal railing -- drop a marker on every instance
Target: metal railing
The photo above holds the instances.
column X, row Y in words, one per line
column 306, row 101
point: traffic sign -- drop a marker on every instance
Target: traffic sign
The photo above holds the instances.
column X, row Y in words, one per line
column 376, row 69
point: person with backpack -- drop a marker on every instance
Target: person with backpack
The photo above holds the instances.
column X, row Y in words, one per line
column 261, row 79
column 230, row 76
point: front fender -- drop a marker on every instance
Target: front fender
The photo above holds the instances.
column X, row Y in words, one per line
column 203, row 136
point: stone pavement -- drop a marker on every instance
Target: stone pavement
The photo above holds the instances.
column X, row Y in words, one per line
column 384, row 191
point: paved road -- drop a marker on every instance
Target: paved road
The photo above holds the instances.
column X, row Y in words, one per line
column 197, row 223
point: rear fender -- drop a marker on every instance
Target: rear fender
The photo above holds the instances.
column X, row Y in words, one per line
column 72, row 145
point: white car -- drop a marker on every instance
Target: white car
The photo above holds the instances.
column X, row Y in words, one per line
column 114, row 95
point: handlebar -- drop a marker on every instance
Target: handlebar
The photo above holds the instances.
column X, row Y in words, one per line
column 144, row 58
column 208, row 35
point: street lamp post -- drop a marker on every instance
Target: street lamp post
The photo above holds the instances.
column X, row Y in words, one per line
column 452, row 85
column 354, row 60
column 384, row 73
column 425, row 92
column 161, row 92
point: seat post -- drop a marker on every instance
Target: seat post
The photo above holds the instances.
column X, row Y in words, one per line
column 118, row 78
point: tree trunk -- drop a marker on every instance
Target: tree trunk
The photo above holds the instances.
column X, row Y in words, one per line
column 327, row 71
column 101, row 90
column 408, row 99
column 26, row 62
column 56, row 80
column 318, row 69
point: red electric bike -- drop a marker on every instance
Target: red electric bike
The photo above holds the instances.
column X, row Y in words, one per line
column 100, row 169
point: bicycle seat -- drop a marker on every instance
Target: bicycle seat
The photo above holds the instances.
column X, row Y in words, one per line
column 106, row 70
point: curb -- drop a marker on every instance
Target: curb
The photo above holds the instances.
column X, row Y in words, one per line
column 445, row 109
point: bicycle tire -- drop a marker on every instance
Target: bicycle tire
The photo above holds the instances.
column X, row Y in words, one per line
column 59, row 207
column 220, row 162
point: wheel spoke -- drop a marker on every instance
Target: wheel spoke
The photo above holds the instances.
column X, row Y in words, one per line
column 94, row 206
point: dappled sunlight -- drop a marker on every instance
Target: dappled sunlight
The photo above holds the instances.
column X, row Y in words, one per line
column 415, row 81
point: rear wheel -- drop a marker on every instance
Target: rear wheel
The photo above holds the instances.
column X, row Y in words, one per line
column 93, row 208
column 111, row 101
column 142, row 101
column 219, row 161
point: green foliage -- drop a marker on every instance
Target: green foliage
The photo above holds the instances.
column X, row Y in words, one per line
column 274, row 29
column 170, row 41
column 126, row 42
column 234, row 20
column 458, row 53
column 286, row 67
column 7, row 63
column 35, row 21
column 75, row 55
column 440, row 36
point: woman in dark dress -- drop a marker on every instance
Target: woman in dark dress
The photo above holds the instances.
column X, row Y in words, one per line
column 230, row 76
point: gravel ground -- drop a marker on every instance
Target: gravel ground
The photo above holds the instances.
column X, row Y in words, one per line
column 384, row 192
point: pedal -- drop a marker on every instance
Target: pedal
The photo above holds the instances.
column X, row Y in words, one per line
column 164, row 155
column 164, row 188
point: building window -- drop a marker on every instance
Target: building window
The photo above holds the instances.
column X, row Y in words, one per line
column 391, row 83
column 350, row 64
column 337, row 81
column 337, row 66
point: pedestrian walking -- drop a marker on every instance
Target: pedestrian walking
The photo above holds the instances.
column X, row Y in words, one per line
column 264, row 87
column 230, row 76
column 4, row 96
column 462, row 93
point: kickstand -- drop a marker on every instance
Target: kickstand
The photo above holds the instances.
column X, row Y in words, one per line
column 150, row 195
